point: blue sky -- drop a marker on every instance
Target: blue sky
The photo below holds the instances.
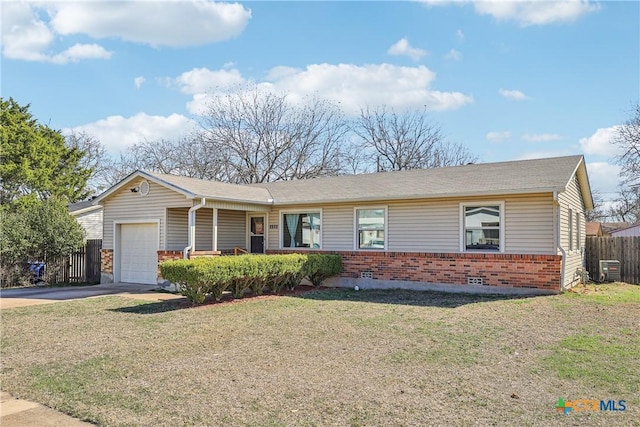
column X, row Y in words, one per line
column 509, row 80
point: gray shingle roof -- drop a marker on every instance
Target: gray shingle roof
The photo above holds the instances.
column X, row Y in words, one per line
column 513, row 177
column 524, row 176
column 214, row 189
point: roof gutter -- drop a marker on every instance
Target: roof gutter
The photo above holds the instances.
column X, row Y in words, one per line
column 192, row 228
column 558, row 221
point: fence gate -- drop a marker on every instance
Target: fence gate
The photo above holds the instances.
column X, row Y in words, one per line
column 624, row 249
column 82, row 266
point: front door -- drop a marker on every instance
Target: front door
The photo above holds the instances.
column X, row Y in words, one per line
column 257, row 234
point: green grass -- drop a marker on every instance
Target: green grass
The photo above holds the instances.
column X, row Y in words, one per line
column 615, row 293
column 335, row 357
column 608, row 362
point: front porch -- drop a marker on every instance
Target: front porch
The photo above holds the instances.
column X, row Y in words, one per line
column 212, row 229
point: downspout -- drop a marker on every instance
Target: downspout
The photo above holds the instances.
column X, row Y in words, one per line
column 558, row 220
column 192, row 227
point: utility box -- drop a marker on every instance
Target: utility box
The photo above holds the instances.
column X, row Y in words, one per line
column 609, row 270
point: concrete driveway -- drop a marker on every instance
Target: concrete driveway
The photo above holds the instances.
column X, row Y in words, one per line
column 21, row 297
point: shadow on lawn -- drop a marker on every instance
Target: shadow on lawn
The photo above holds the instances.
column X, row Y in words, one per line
column 387, row 296
column 153, row 307
column 406, row 297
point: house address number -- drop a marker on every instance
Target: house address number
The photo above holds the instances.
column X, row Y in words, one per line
column 273, row 226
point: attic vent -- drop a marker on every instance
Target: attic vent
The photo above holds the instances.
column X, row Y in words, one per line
column 366, row 274
column 144, row 188
column 475, row 281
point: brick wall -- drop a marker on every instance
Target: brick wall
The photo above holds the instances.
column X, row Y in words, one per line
column 503, row 270
column 168, row 256
column 106, row 261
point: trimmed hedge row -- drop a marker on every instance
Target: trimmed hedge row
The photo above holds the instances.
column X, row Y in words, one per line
column 196, row 278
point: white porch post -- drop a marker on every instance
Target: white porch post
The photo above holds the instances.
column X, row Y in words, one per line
column 215, row 229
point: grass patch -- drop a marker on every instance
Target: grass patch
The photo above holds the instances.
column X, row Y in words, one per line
column 608, row 362
column 614, row 293
column 334, row 357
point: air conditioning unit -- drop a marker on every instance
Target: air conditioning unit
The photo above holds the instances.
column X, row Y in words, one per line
column 609, row 270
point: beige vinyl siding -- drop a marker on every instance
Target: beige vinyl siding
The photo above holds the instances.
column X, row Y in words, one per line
column 434, row 225
column 529, row 225
column 91, row 222
column 571, row 199
column 177, row 229
column 124, row 206
column 424, row 226
column 204, row 230
column 231, row 229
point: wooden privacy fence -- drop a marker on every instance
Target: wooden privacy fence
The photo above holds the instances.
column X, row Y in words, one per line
column 624, row 249
column 80, row 267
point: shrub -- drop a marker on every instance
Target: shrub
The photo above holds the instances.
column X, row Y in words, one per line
column 320, row 267
column 202, row 276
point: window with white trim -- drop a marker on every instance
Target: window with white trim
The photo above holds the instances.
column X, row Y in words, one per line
column 371, row 228
column 301, row 230
column 482, row 227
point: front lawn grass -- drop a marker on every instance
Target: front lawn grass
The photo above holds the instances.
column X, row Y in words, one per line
column 334, row 357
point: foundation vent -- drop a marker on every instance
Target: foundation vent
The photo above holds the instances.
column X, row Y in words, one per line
column 479, row 281
column 366, row 274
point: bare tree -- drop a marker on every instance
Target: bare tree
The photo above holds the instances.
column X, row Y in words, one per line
column 95, row 158
column 626, row 207
column 406, row 141
column 261, row 136
column 627, row 137
column 598, row 213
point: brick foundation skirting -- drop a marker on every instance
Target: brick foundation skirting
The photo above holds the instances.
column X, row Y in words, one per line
column 502, row 270
column 106, row 261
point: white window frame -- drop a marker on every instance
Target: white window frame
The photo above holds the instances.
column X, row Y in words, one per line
column 281, row 224
column 356, row 236
column 478, row 204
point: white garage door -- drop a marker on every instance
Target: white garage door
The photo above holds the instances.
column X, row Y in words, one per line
column 138, row 253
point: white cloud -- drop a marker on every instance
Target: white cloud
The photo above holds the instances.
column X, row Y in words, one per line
column 500, row 136
column 600, row 142
column 166, row 23
column 138, row 81
column 24, row 36
column 117, row 132
column 515, row 95
column 541, row 137
column 460, row 35
column 352, row 86
column 403, row 47
column 545, row 154
column 454, row 55
column 603, row 177
column 29, row 29
column 81, row 51
column 527, row 12
column 201, row 80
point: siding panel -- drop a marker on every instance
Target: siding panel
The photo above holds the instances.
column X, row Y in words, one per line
column 177, row 229
column 92, row 223
column 231, row 229
column 571, row 199
column 127, row 206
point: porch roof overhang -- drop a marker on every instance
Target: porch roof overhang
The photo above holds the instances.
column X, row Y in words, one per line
column 232, row 206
